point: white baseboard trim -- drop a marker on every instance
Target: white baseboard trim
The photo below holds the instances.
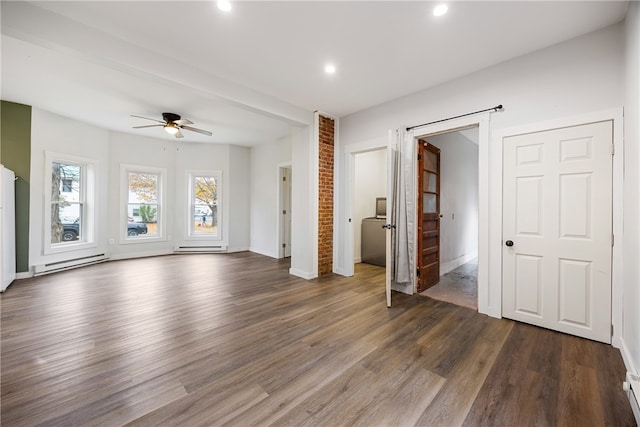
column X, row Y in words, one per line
column 631, row 387
column 117, row 257
column 357, row 260
column 265, row 253
column 626, row 358
column 239, row 249
column 448, row 266
column 200, row 249
column 68, row 264
column 24, row 275
column 633, row 392
column 340, row 271
column 303, row 274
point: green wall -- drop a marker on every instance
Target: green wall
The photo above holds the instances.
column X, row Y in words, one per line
column 15, row 154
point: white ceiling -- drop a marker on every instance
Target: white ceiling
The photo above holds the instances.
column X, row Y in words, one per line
column 252, row 74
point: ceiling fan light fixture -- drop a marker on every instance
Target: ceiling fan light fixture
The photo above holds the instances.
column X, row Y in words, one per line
column 173, row 124
column 171, row 128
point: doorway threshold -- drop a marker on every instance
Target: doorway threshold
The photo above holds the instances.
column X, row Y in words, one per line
column 459, row 286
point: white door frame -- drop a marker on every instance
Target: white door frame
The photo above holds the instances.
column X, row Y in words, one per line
column 495, row 208
column 349, row 157
column 488, row 302
column 280, row 223
column 490, row 201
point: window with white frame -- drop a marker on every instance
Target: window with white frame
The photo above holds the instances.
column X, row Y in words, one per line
column 204, row 206
column 67, row 202
column 69, row 199
column 143, row 203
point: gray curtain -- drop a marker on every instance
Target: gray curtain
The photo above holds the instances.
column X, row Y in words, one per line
column 403, row 164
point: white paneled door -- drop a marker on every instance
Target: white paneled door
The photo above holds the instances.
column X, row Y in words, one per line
column 557, row 229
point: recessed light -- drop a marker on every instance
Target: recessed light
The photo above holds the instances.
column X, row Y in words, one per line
column 330, row 69
column 224, row 5
column 440, row 10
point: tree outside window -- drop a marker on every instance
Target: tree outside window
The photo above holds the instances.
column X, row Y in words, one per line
column 204, row 205
column 67, row 202
column 143, row 204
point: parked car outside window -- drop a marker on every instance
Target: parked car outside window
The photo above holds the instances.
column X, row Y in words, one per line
column 71, row 230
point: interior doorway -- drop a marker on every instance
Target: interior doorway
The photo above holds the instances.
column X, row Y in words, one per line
column 457, row 214
column 369, row 213
column 284, row 211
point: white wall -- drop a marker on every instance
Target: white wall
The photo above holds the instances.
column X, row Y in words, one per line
column 200, row 158
column 577, row 77
column 50, row 132
column 631, row 247
column 458, row 199
column 304, row 205
column 370, row 183
column 109, row 150
column 265, row 162
column 179, row 159
column 238, row 198
column 140, row 151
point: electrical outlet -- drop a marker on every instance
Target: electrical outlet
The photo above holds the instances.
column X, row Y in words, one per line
column 112, row 241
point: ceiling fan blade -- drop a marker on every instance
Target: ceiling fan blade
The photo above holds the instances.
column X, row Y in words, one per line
column 179, row 134
column 182, row 122
column 204, row 132
column 147, row 118
column 146, row 126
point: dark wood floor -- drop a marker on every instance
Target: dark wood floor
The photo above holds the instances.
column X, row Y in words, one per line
column 234, row 340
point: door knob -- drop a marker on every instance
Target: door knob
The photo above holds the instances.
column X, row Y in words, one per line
column 509, row 243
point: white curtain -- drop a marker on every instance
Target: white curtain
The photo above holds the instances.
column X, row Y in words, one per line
column 403, row 210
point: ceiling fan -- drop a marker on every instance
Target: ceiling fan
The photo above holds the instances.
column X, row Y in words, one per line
column 173, row 124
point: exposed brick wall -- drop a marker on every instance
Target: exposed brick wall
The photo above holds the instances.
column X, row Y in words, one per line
column 325, row 196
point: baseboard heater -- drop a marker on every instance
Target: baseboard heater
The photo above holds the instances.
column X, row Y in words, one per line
column 632, row 387
column 200, row 249
column 67, row 264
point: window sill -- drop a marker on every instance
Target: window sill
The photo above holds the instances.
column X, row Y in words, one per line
column 61, row 248
column 134, row 240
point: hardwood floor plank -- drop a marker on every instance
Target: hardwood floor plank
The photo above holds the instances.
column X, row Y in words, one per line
column 333, row 364
column 544, row 378
column 578, row 384
column 207, row 406
column 406, row 406
column 467, row 374
column 610, row 370
column 233, row 339
column 138, row 407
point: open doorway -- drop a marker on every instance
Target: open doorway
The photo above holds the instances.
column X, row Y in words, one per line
column 369, row 209
column 458, row 217
column 284, row 210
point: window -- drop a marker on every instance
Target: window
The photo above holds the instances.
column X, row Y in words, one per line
column 67, row 202
column 142, row 210
column 204, row 208
column 69, row 207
